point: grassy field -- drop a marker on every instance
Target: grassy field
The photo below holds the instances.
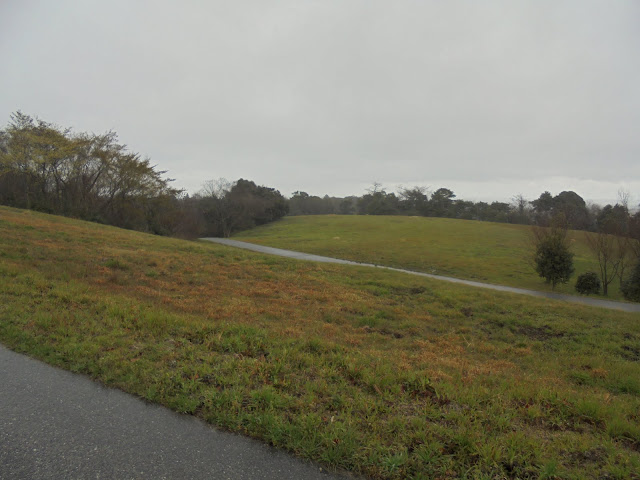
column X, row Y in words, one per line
column 496, row 253
column 376, row 372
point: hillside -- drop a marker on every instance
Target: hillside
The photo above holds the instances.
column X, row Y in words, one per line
column 377, row 372
column 489, row 252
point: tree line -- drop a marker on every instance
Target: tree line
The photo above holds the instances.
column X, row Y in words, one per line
column 93, row 177
column 443, row 203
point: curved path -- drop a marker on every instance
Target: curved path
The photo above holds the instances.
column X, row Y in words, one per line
column 56, row 424
column 594, row 302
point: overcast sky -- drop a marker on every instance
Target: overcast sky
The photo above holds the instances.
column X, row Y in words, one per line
column 490, row 99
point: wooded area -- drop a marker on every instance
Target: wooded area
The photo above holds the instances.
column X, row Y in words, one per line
column 93, row 177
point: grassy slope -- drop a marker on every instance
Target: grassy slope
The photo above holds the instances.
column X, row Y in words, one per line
column 377, row 372
column 491, row 252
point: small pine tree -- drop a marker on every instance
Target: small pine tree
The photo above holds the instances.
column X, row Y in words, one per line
column 631, row 287
column 588, row 283
column 553, row 260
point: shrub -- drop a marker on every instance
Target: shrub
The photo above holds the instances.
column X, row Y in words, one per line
column 631, row 286
column 588, row 283
column 553, row 260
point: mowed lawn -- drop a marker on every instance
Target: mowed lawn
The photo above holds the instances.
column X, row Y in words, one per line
column 496, row 253
column 377, row 372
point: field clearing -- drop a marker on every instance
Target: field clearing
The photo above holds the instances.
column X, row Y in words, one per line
column 489, row 252
column 377, row 372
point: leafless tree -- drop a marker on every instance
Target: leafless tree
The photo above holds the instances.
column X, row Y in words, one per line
column 610, row 252
column 623, row 198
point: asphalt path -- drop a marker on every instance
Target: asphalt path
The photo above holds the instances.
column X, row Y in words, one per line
column 594, row 302
column 58, row 425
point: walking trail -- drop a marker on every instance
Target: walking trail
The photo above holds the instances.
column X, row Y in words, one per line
column 594, row 302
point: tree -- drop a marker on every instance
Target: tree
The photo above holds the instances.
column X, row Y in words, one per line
column 634, row 235
column 229, row 207
column 521, row 211
column 441, row 202
column 609, row 252
column 573, row 207
column 614, row 220
column 613, row 245
column 301, row 203
column 568, row 204
column 378, row 202
column 553, row 259
column 413, row 201
column 542, row 209
column 216, row 210
column 347, row 205
column 631, row 287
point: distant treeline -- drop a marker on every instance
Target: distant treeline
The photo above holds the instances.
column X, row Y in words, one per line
column 92, row 177
column 568, row 206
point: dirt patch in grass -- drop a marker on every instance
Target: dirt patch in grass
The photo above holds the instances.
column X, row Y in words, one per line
column 631, row 352
column 541, row 333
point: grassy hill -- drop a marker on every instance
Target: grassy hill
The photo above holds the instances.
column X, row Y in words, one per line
column 496, row 253
column 377, row 372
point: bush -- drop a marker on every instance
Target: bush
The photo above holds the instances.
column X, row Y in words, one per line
column 553, row 260
column 588, row 283
column 631, row 286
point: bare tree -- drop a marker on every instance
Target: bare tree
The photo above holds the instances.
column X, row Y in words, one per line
column 623, row 198
column 626, row 255
column 521, row 208
column 217, row 209
column 610, row 253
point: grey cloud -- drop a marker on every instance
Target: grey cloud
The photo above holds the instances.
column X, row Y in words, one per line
column 326, row 96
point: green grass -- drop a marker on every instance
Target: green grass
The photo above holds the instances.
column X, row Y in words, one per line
column 496, row 253
column 377, row 372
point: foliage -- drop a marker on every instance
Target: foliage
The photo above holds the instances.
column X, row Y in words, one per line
column 614, row 220
column 301, row 203
column 93, row 177
column 553, row 259
column 383, row 374
column 569, row 205
column 378, row 202
column 47, row 168
column 588, row 283
column 441, row 202
column 631, row 286
column 229, row 207
column 634, row 234
column 414, row 201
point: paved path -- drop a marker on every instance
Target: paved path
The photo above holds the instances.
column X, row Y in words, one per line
column 594, row 302
column 58, row 425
